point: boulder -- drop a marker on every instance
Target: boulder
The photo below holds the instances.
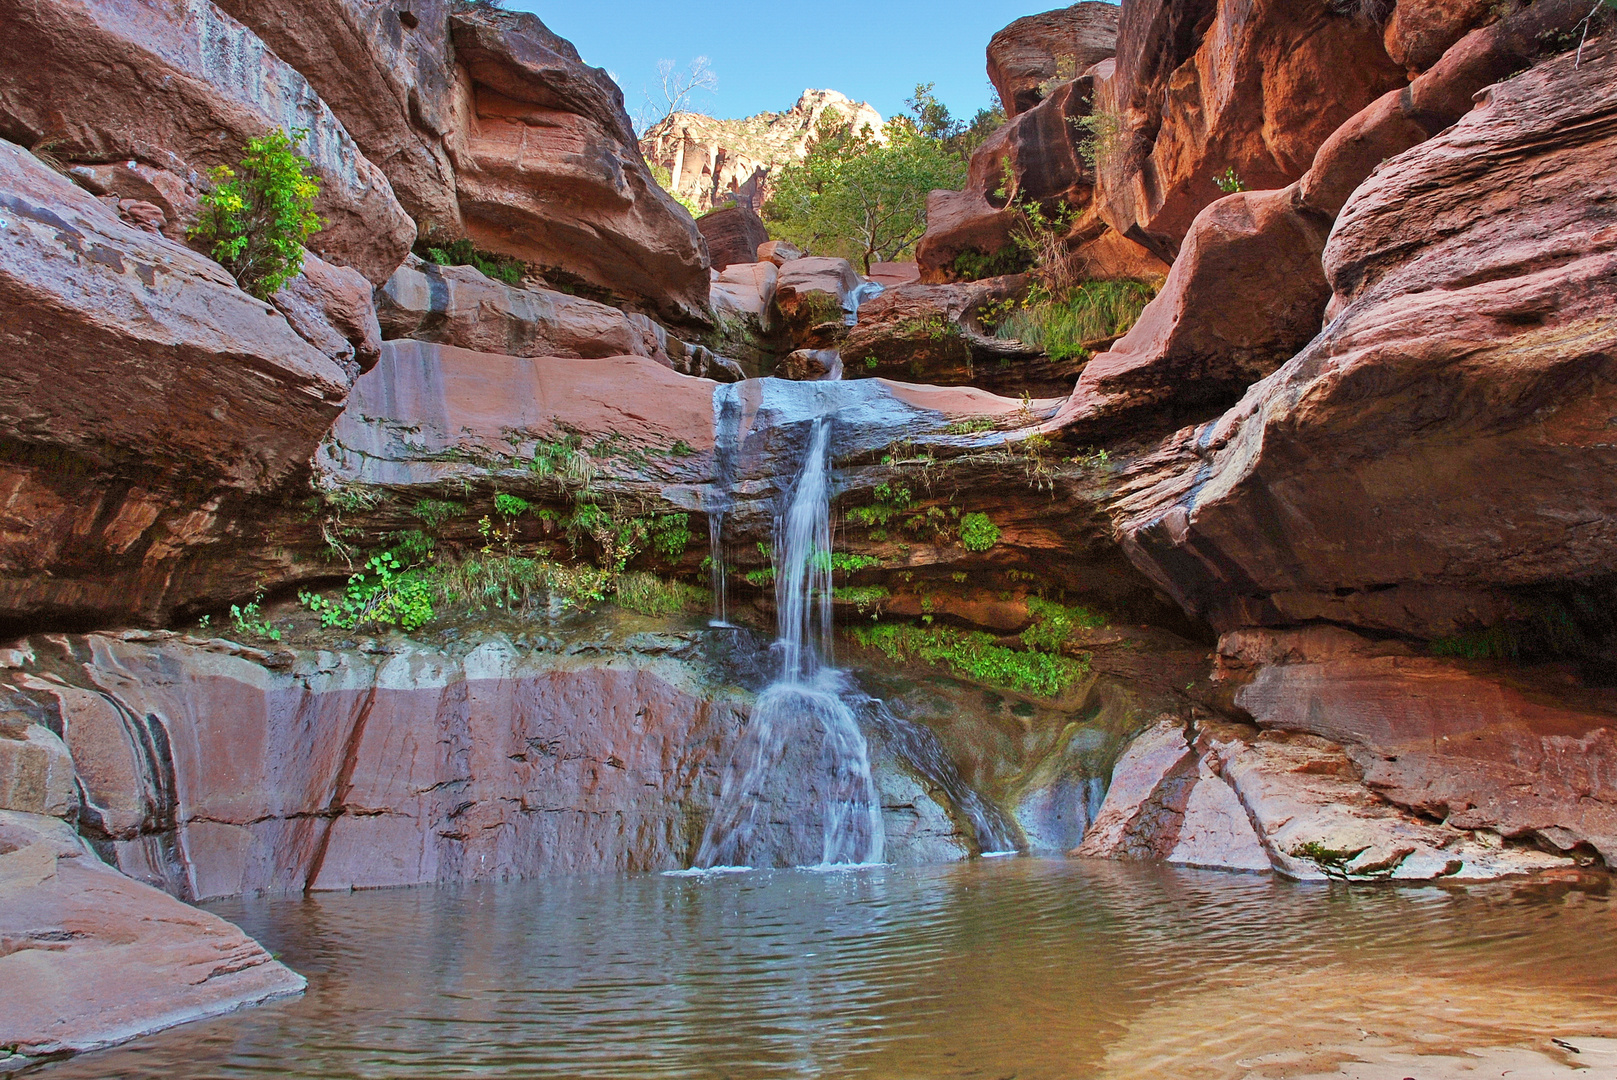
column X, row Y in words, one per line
column 1419, row 32
column 1444, row 435
column 746, row 291
column 36, row 771
column 1036, row 52
column 1202, row 87
column 889, row 274
column 91, row 958
column 1449, row 741
column 733, row 233
column 1245, row 294
column 463, row 307
column 330, row 307
column 1232, row 797
column 1034, row 159
column 181, row 87
column 813, row 295
column 779, row 252
column 551, row 172
column 810, row 365
column 145, row 397
column 387, row 72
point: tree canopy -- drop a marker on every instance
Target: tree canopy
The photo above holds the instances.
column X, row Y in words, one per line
column 862, row 195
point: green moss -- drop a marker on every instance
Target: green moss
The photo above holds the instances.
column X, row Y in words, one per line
column 976, row 656
column 1053, row 624
column 818, row 307
column 977, row 532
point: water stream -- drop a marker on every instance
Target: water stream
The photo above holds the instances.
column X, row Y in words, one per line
column 798, row 790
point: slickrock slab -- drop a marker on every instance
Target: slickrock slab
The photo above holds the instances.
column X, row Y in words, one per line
column 89, row 957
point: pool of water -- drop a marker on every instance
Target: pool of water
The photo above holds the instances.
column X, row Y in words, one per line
column 995, row 969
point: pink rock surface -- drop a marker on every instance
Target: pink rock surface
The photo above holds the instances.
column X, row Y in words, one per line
column 89, row 958
column 1034, row 52
column 181, row 87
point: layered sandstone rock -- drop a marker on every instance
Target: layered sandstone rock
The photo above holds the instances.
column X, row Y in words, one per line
column 387, row 72
column 1453, row 742
column 211, row 770
column 463, row 307
column 1201, row 87
column 709, row 159
column 145, row 399
column 1248, row 289
column 1034, row 53
column 1232, row 797
column 733, row 233
column 813, row 295
column 550, row 171
column 89, row 958
column 1402, row 455
column 179, row 88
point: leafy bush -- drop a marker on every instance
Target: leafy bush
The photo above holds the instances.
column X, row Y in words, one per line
column 977, row 532
column 1229, row 183
column 974, row 265
column 1095, row 313
column 463, row 253
column 387, row 593
column 434, row 512
column 258, row 219
column 976, row 656
column 248, row 622
column 1053, row 624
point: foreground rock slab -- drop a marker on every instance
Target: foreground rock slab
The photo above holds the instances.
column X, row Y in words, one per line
column 89, row 957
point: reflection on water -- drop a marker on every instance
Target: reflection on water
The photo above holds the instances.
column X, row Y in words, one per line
column 1006, row 968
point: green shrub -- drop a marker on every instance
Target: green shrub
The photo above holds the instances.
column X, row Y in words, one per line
column 387, row 593
column 247, row 621
column 978, row 533
column 1229, row 183
column 258, row 218
column 434, row 512
column 974, row 265
column 1095, row 312
column 976, row 656
column 463, row 253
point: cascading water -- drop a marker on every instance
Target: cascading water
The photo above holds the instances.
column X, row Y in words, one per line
column 798, row 790
column 726, row 439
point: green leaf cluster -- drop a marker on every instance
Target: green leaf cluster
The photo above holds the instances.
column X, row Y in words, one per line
column 387, row 593
column 258, row 216
column 1054, row 623
column 860, row 195
column 974, row 655
column 977, row 532
column 463, row 253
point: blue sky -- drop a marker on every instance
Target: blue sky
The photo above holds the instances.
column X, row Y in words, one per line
column 767, row 54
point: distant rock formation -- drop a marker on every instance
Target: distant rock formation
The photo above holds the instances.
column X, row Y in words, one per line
column 708, row 159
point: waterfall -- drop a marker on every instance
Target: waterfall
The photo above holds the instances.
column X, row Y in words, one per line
column 726, row 441
column 866, row 290
column 798, row 790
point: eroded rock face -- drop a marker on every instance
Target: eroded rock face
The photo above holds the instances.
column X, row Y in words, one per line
column 1201, row 87
column 733, row 233
column 145, row 398
column 1231, row 797
column 92, row 958
column 462, row 307
column 1032, row 53
column 181, row 87
column 1452, row 743
column 551, row 173
column 932, row 334
column 211, row 770
column 1468, row 359
column 387, row 72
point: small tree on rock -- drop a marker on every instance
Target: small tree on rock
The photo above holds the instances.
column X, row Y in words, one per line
column 257, row 217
